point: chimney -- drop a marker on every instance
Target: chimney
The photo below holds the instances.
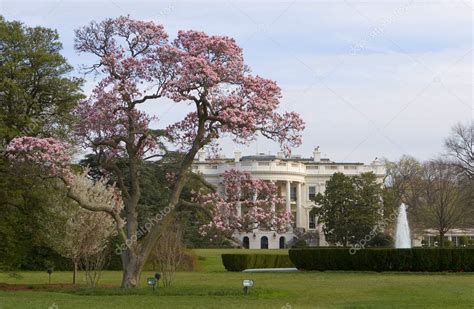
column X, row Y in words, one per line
column 316, row 155
column 237, row 156
column 201, row 156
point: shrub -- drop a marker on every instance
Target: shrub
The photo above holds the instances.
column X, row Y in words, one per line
column 448, row 243
column 239, row 262
column 463, row 241
column 377, row 259
column 188, row 262
column 301, row 243
column 381, row 240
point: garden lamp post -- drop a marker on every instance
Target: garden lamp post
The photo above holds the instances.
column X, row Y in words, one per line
column 247, row 283
column 49, row 271
column 154, row 281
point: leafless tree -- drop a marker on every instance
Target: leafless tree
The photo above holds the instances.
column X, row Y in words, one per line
column 445, row 201
column 93, row 265
column 169, row 252
column 460, row 147
column 404, row 177
column 403, row 184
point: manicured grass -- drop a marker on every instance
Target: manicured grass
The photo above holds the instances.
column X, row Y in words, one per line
column 213, row 287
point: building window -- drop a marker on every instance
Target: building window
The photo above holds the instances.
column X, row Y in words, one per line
column 313, row 218
column 331, row 167
column 246, row 242
column 293, row 193
column 282, row 242
column 432, row 241
column 350, row 167
column 312, row 221
column 264, row 242
column 311, row 193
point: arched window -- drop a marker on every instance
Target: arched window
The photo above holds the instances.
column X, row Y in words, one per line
column 264, row 242
column 246, row 242
column 282, row 242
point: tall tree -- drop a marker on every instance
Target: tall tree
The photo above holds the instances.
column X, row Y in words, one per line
column 37, row 93
column 138, row 65
column 350, row 207
column 460, row 146
column 437, row 194
column 404, row 177
column 445, row 202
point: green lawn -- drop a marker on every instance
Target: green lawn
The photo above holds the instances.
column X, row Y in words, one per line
column 212, row 287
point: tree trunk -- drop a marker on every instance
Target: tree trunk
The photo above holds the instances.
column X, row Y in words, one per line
column 441, row 239
column 74, row 273
column 132, row 268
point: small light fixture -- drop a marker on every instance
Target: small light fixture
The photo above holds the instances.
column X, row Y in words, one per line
column 247, row 283
column 274, row 235
column 254, row 236
column 152, row 282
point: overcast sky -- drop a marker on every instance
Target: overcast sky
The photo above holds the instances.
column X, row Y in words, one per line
column 370, row 78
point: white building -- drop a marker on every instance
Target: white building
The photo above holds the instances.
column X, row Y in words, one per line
column 298, row 180
column 456, row 236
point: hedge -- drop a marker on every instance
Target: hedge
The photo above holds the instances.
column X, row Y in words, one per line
column 239, row 262
column 383, row 259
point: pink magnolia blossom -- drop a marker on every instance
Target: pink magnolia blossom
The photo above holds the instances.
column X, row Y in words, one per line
column 211, row 73
column 47, row 153
column 138, row 65
column 261, row 206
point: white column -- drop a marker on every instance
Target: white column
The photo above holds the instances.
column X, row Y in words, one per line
column 239, row 209
column 288, row 195
column 273, row 205
column 298, row 205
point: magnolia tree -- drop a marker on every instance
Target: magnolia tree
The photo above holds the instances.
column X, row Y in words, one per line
column 137, row 64
column 85, row 234
column 247, row 204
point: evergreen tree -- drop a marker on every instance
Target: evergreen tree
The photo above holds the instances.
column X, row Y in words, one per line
column 350, row 207
column 37, row 95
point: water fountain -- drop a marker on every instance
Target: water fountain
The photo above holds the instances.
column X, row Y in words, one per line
column 402, row 234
